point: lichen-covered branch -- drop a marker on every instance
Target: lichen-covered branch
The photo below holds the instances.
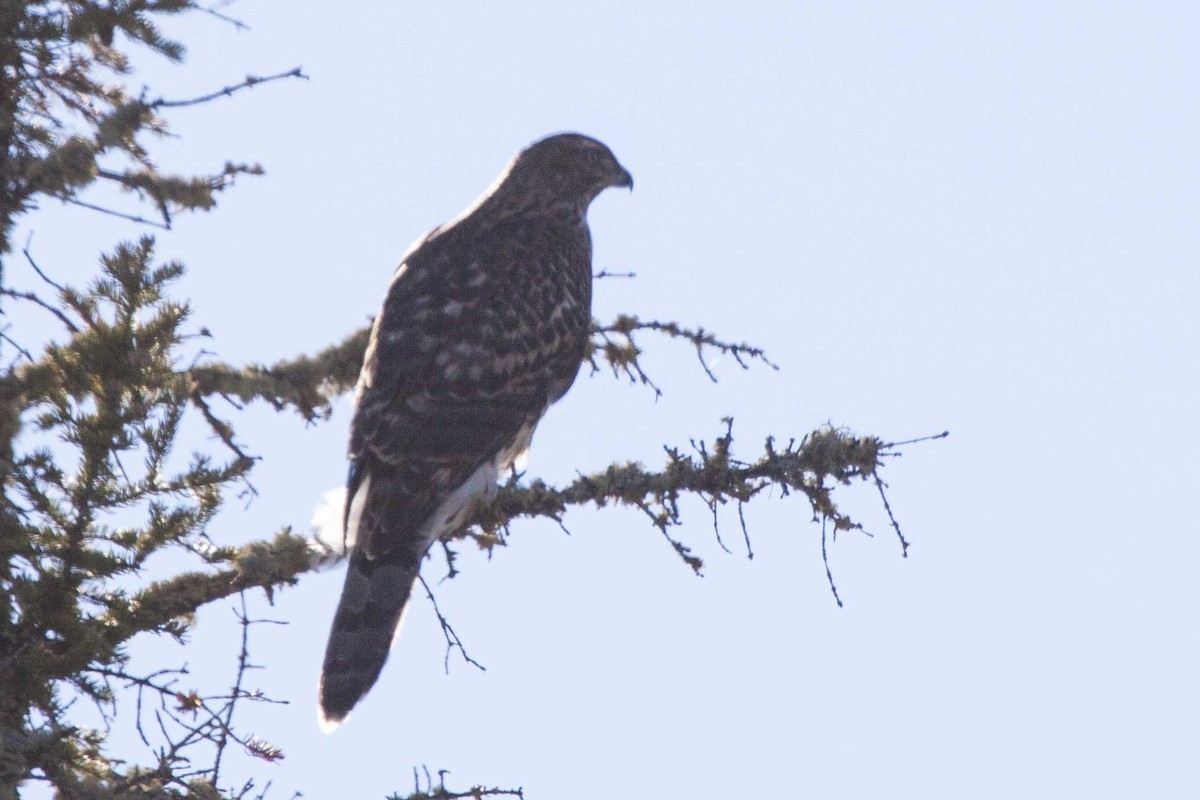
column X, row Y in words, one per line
column 309, row 384
column 616, row 344
column 813, row 467
column 162, row 605
column 426, row 787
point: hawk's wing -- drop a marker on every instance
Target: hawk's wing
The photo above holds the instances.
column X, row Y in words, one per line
column 477, row 336
column 481, row 330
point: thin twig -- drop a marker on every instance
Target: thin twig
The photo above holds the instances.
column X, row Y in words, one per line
column 37, row 269
column 452, row 640
column 930, row 438
column 221, row 428
column 236, row 692
column 33, row 298
column 745, row 532
column 825, row 559
column 212, row 10
column 21, row 351
column 712, row 506
column 892, row 517
column 249, row 82
column 112, row 212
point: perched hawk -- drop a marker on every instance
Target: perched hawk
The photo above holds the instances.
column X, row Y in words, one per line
column 485, row 324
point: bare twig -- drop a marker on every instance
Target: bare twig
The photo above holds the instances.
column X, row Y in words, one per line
column 222, row 429
column 825, row 561
column 114, row 213
column 918, row 440
column 21, row 351
column 745, row 531
column 29, row 257
column 879, row 484
column 452, row 640
column 712, row 506
column 234, row 693
column 212, row 11
column 33, row 298
column 249, row 82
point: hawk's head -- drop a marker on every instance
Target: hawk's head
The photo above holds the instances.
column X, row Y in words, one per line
column 567, row 168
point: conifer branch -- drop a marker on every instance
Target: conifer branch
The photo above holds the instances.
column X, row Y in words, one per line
column 309, row 384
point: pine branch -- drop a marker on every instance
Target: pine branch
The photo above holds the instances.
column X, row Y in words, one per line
column 814, row 467
column 259, row 565
column 307, row 384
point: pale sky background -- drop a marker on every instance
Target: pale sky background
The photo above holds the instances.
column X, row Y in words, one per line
column 980, row 217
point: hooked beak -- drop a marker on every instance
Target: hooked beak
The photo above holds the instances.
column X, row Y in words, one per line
column 625, row 180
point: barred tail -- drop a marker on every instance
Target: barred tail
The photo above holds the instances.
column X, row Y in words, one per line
column 392, row 516
column 369, row 615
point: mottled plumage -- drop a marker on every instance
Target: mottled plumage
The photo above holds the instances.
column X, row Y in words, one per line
column 485, row 325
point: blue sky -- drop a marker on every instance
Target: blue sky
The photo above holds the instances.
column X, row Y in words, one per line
column 976, row 217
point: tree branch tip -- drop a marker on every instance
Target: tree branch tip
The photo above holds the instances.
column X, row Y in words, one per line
column 930, row 438
column 249, row 82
